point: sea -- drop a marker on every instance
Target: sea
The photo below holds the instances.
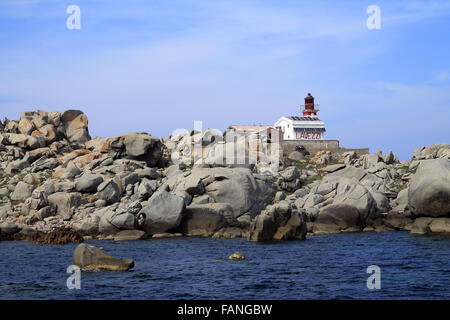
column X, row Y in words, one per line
column 368, row 265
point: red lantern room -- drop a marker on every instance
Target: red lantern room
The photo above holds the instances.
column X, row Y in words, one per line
column 310, row 107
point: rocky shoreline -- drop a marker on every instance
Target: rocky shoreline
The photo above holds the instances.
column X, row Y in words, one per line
column 58, row 185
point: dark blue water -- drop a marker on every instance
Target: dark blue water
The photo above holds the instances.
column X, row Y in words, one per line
column 322, row 267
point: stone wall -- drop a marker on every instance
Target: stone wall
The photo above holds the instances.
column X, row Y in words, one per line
column 314, row 146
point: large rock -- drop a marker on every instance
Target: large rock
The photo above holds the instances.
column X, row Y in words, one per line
column 352, row 193
column 35, row 115
column 71, row 171
column 65, row 203
column 426, row 225
column 136, row 146
column 281, row 221
column 88, row 183
column 112, row 222
column 235, row 186
column 205, row 219
column 76, row 126
column 89, row 257
column 8, row 228
column 262, row 228
column 22, row 191
column 25, row 141
column 339, row 217
column 432, row 152
column 129, row 235
column 109, row 191
column 429, row 189
column 162, row 213
column 146, row 188
column 401, row 202
column 26, row 126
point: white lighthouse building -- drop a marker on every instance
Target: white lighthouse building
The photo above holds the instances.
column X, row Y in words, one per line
column 305, row 127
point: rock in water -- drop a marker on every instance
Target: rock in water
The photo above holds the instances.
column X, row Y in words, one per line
column 237, row 256
column 89, row 257
column 339, row 217
column 58, row 236
column 425, row 225
column 128, row 235
column 429, row 190
column 205, row 219
column 280, row 221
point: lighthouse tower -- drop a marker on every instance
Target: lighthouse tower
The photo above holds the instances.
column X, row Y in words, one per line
column 306, row 127
column 309, row 106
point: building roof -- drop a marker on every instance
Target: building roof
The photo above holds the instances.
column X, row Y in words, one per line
column 304, row 118
column 250, row 128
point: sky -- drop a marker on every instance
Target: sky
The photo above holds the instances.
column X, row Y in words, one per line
column 157, row 66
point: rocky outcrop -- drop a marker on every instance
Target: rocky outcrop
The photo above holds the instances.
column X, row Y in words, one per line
column 130, row 235
column 426, row 225
column 338, row 217
column 432, row 152
column 245, row 192
column 162, row 213
column 206, row 219
column 136, row 146
column 281, row 221
column 53, row 176
column 65, row 203
column 429, row 189
column 111, row 222
column 88, row 257
column 61, row 235
column 76, row 126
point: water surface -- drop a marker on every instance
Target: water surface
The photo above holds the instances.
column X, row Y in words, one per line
column 321, row 267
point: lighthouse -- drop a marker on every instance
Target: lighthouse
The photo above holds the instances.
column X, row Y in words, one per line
column 306, row 126
column 309, row 106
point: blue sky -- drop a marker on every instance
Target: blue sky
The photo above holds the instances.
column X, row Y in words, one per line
column 155, row 66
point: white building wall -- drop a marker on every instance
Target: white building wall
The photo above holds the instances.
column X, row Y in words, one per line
column 289, row 126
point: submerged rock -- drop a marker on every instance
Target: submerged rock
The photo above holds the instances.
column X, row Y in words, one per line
column 59, row 236
column 128, row 235
column 89, row 257
column 237, row 256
